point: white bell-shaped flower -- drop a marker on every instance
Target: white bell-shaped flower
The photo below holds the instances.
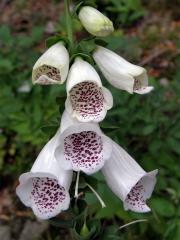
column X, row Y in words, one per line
column 121, row 73
column 52, row 67
column 82, row 146
column 128, row 180
column 45, row 188
column 87, row 100
column 95, row 22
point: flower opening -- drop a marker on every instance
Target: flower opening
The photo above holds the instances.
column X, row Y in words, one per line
column 87, row 100
column 47, row 194
column 84, row 150
column 46, row 75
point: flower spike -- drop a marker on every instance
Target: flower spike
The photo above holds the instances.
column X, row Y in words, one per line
column 128, row 180
column 87, row 100
column 52, row 67
column 121, row 73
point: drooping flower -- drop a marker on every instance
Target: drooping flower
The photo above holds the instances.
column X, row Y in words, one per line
column 52, row 67
column 82, row 146
column 45, row 188
column 87, row 100
column 128, row 180
column 121, row 73
column 95, row 22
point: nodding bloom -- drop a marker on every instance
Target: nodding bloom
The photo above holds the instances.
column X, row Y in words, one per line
column 121, row 73
column 45, row 188
column 87, row 100
column 82, row 146
column 128, row 180
column 95, row 22
column 52, row 67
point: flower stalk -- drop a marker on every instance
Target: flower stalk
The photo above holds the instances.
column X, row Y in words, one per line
column 68, row 21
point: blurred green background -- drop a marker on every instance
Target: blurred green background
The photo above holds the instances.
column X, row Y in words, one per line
column 148, row 127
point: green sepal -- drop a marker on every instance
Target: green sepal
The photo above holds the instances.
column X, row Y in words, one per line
column 57, row 38
column 84, row 56
column 101, row 42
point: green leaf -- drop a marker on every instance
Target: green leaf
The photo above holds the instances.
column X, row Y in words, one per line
column 163, row 207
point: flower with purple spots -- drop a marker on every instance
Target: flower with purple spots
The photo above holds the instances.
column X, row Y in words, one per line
column 128, row 180
column 82, row 146
column 87, row 100
column 52, row 67
column 121, row 73
column 45, row 188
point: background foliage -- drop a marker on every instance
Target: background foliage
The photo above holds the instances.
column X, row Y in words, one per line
column 148, row 127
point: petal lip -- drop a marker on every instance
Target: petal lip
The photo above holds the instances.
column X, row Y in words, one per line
column 24, row 189
column 144, row 90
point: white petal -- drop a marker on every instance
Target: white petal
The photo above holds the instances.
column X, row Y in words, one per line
column 144, row 90
column 46, row 167
column 95, row 22
column 119, row 72
column 81, row 71
column 122, row 173
column 108, row 98
column 83, row 147
column 52, row 67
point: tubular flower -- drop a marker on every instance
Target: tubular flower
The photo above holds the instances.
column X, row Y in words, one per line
column 45, row 188
column 128, row 180
column 120, row 73
column 82, row 146
column 87, row 100
column 95, row 22
column 52, row 67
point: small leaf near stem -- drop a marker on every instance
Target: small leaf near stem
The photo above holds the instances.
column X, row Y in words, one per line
column 68, row 21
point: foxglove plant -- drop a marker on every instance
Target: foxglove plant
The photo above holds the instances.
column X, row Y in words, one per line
column 87, row 100
column 45, row 188
column 79, row 144
column 52, row 67
column 121, row 73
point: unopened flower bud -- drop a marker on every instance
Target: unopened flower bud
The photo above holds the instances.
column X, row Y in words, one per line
column 95, row 22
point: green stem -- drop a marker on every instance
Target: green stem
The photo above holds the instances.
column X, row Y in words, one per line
column 68, row 21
